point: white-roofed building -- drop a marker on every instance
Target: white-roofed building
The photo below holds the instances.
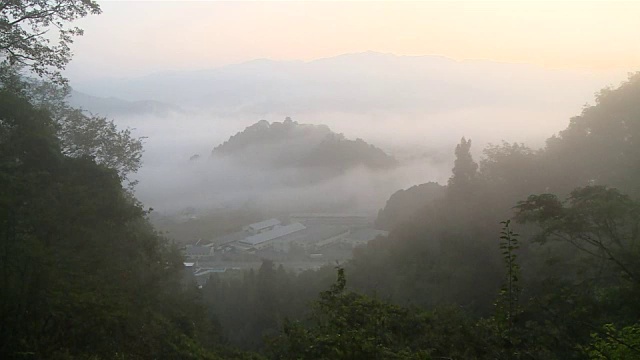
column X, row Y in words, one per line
column 262, row 226
column 314, row 237
column 267, row 238
column 198, row 251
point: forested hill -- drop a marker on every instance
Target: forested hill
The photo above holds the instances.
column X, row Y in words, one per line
column 290, row 144
column 574, row 272
column 458, row 284
column 404, row 204
column 83, row 273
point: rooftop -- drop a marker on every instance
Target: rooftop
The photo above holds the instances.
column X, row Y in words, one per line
column 320, row 232
column 264, row 224
column 196, row 250
column 229, row 238
column 273, row 234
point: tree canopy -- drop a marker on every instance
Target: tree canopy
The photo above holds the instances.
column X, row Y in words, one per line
column 26, row 33
column 84, row 275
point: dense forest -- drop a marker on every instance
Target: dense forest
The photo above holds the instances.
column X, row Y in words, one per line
column 524, row 254
column 454, row 280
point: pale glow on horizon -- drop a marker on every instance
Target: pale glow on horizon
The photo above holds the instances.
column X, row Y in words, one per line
column 138, row 38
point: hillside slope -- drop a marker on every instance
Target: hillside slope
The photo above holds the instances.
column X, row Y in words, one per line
column 289, row 144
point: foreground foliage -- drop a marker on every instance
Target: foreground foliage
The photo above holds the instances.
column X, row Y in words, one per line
column 83, row 274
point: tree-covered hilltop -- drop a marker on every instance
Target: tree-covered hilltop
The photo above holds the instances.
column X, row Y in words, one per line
column 404, row 204
column 602, row 144
column 444, row 252
column 289, row 144
column 579, row 243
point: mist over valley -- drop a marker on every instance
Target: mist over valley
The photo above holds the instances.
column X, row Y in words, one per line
column 414, row 108
column 309, row 180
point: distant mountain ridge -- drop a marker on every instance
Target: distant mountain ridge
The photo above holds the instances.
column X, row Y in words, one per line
column 113, row 106
column 289, row 144
column 355, row 83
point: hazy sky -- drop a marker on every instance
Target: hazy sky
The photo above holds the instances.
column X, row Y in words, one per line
column 141, row 37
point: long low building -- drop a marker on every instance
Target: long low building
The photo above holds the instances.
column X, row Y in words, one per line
column 198, row 251
column 262, row 226
column 314, row 237
column 267, row 238
column 331, row 218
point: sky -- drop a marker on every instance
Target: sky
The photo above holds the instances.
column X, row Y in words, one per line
column 592, row 44
column 134, row 38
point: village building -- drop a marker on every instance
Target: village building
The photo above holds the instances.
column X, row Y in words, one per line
column 313, row 237
column 268, row 238
column 198, row 251
column 263, row 226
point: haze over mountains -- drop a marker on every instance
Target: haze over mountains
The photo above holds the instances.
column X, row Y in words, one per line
column 354, row 83
column 414, row 108
column 346, row 90
column 115, row 107
column 281, row 166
